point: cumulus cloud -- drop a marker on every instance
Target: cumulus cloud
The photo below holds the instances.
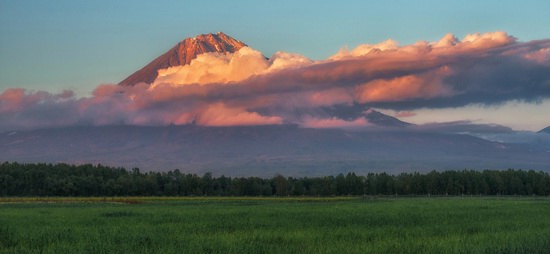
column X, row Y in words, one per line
column 449, row 44
column 365, row 49
column 226, row 68
column 246, row 88
column 486, row 40
column 408, row 87
column 215, row 68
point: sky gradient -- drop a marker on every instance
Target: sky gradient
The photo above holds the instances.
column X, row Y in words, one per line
column 78, row 45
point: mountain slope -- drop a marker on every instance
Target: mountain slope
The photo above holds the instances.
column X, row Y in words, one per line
column 355, row 111
column 266, row 150
column 381, row 119
column 183, row 53
column 545, row 130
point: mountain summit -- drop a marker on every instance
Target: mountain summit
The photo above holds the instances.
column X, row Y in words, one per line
column 183, row 53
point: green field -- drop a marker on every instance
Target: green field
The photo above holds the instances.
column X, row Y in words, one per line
column 275, row 225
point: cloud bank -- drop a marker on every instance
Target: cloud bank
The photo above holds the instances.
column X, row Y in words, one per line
column 246, row 88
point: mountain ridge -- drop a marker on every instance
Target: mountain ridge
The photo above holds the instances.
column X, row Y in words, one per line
column 545, row 130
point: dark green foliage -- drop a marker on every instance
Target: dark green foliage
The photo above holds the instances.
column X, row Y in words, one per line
column 97, row 180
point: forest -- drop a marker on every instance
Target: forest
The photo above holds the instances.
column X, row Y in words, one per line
column 40, row 179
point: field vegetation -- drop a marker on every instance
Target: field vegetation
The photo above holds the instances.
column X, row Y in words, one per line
column 46, row 208
column 275, row 225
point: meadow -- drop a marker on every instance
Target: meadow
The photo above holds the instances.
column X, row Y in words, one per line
column 275, row 225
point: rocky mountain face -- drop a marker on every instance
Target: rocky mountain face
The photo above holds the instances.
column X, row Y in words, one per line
column 183, row 53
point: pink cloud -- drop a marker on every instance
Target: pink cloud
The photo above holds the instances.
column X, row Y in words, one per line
column 365, row 49
column 330, row 97
column 12, row 100
column 404, row 114
column 486, row 40
column 220, row 115
column 17, row 99
column 310, row 122
column 227, row 68
column 541, row 56
column 407, row 87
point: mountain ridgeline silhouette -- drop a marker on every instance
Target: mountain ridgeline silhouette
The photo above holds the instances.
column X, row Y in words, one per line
column 266, row 150
column 545, row 130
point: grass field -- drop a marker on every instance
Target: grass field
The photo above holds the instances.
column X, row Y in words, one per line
column 275, row 225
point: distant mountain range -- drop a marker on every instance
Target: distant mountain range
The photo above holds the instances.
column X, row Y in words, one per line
column 267, row 150
column 183, row 53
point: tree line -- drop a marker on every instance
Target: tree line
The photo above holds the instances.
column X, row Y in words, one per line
column 41, row 179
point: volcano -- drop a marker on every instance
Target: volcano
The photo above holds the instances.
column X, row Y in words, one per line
column 183, row 53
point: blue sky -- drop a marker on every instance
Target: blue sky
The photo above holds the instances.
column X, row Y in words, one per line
column 75, row 44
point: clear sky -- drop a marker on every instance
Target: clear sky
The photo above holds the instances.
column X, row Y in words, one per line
column 79, row 44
